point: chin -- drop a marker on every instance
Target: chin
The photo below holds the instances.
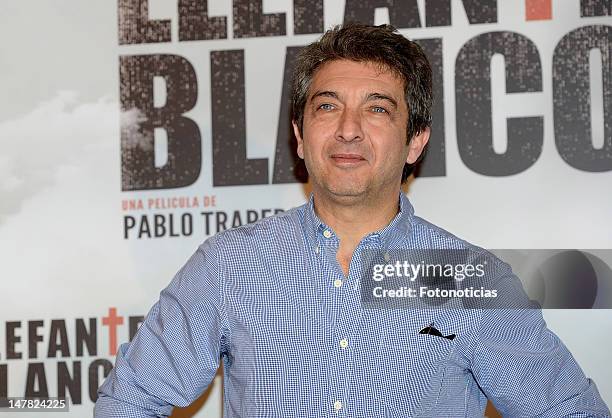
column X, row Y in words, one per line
column 346, row 190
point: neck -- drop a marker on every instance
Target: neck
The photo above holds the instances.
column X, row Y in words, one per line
column 354, row 218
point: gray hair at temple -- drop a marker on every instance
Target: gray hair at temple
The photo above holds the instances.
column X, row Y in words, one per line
column 382, row 45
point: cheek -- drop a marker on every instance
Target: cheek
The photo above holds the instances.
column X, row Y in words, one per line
column 314, row 141
column 387, row 138
column 391, row 150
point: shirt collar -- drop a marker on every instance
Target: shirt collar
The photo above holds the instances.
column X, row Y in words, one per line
column 398, row 228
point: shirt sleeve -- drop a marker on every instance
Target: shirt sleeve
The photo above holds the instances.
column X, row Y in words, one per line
column 526, row 370
column 175, row 353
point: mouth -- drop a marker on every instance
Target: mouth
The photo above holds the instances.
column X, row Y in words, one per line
column 348, row 159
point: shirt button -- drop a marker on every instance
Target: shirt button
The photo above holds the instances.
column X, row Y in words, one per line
column 337, row 405
column 337, row 283
column 387, row 257
column 344, row 343
column 317, row 249
column 327, row 233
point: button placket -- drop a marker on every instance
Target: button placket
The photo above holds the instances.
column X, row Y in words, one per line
column 329, row 239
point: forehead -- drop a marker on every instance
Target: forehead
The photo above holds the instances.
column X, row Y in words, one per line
column 347, row 74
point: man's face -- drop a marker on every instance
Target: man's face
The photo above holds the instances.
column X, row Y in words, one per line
column 354, row 130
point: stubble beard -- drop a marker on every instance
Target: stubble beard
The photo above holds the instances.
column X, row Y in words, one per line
column 341, row 190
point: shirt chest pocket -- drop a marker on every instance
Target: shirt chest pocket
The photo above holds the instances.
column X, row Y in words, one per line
column 411, row 371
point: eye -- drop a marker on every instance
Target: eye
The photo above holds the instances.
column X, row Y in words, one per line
column 326, row 106
column 378, row 109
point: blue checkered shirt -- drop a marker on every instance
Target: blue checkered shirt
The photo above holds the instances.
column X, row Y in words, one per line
column 270, row 302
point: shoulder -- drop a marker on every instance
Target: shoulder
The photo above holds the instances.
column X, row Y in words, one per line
column 428, row 236
column 265, row 230
column 426, row 232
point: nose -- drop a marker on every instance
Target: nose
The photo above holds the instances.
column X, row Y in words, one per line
column 349, row 126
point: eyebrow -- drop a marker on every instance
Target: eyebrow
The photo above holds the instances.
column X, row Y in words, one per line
column 379, row 96
column 370, row 97
column 325, row 93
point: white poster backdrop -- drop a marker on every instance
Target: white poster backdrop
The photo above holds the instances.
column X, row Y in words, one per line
column 63, row 255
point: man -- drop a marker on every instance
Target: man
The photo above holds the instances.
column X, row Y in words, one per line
column 279, row 301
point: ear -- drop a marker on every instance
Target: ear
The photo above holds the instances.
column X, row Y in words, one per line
column 300, row 141
column 416, row 145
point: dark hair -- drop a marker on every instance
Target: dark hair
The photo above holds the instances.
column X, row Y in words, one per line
column 382, row 45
